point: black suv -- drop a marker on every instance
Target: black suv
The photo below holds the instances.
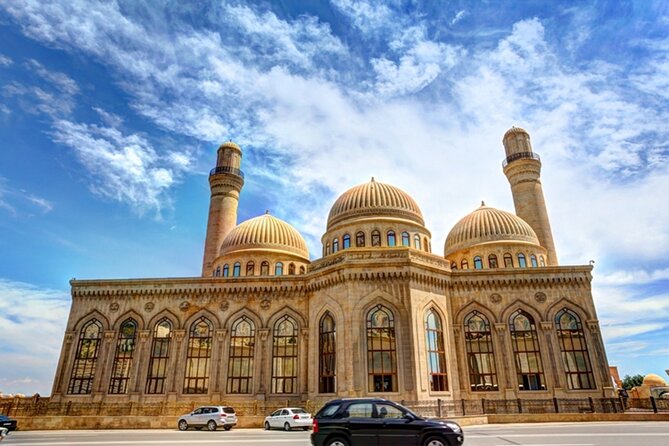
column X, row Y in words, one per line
column 376, row 421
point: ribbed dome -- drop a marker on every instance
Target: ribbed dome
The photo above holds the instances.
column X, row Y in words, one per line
column 514, row 130
column 265, row 232
column 653, row 380
column 488, row 224
column 231, row 145
column 374, row 199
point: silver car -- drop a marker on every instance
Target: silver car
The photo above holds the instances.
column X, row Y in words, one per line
column 289, row 418
column 211, row 417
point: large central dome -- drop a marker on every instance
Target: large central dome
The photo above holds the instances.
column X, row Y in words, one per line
column 265, row 233
column 374, row 199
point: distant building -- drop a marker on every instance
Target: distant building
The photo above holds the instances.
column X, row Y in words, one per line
column 378, row 313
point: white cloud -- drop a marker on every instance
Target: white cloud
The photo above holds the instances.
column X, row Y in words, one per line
column 5, row 60
column 15, row 200
column 459, row 16
column 366, row 16
column 60, row 80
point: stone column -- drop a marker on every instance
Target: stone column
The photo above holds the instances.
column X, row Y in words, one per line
column 508, row 370
column 463, row 370
column 218, row 371
column 103, row 369
column 141, row 360
column 263, row 334
column 175, row 378
column 303, row 376
column 602, row 363
column 547, row 328
column 64, row 365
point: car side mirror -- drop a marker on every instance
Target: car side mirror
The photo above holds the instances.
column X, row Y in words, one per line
column 408, row 417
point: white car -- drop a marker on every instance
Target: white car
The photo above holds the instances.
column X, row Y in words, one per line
column 211, row 417
column 289, row 418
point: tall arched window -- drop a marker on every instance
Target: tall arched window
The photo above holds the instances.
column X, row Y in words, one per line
column 426, row 244
column 360, row 239
column 454, row 265
column 264, row 268
column 346, row 241
column 226, row 270
column 198, row 356
column 217, row 273
column 574, row 351
column 436, row 352
column 478, row 263
column 236, row 269
column 526, row 351
column 284, row 356
column 278, row 269
column 381, row 350
column 160, row 353
column 406, row 241
column 376, row 238
column 542, row 262
column 464, row 264
column 492, row 261
column 533, row 261
column 240, row 356
column 416, row 241
column 291, row 269
column 85, row 359
column 327, row 249
column 250, row 268
column 508, row 261
column 327, row 355
column 480, row 353
column 522, row 263
column 125, row 347
column 303, row 270
column 335, row 245
column 391, row 238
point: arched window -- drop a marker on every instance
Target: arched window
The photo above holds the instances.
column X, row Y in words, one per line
column 574, row 351
column 240, row 356
column 391, row 238
column 406, row 241
column 125, row 347
column 464, row 264
column 480, row 353
column 542, row 262
column 302, row 270
column 327, row 364
column 381, row 351
column 196, row 379
column 217, row 273
column 360, row 239
column 426, row 244
column 416, row 241
column 478, row 263
column 533, row 261
column 284, row 356
column 264, row 268
column 376, row 238
column 346, row 241
column 508, row 261
column 454, row 265
column 335, row 245
column 250, row 268
column 85, row 359
column 526, row 351
column 226, row 270
column 236, row 269
column 291, row 269
column 278, row 269
column 436, row 352
column 327, row 249
column 160, row 353
column 492, row 261
column 521, row 261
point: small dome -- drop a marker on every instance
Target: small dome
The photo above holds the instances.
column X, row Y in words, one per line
column 265, row 233
column 653, row 380
column 374, row 199
column 231, row 145
column 514, row 130
column 486, row 225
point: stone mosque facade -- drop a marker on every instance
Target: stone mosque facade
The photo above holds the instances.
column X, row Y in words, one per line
column 378, row 314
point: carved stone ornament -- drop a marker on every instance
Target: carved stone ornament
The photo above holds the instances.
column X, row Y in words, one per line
column 149, row 306
column 495, row 298
column 69, row 337
column 265, row 303
column 113, row 307
column 224, row 305
column 546, row 325
column 184, row 306
column 540, row 297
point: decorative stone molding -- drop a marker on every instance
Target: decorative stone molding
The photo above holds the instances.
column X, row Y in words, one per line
column 109, row 335
column 113, row 307
column 179, row 335
column 184, row 306
column 149, row 306
column 500, row 327
column 546, row 325
column 69, row 337
column 144, row 334
column 263, row 333
column 224, row 306
column 593, row 325
column 495, row 298
column 265, row 303
column 457, row 330
column 221, row 334
column 305, row 333
column 540, row 297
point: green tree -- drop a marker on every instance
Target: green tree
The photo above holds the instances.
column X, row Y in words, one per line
column 632, row 381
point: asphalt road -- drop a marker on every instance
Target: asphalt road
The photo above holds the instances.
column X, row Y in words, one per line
column 553, row 434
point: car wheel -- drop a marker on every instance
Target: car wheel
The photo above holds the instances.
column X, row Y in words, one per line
column 434, row 441
column 211, row 425
column 286, row 427
column 227, row 428
column 182, row 425
column 336, row 442
column 266, row 425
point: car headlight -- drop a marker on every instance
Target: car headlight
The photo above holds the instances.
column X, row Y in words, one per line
column 455, row 427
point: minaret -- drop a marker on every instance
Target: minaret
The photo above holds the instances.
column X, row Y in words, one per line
column 225, row 182
column 522, row 167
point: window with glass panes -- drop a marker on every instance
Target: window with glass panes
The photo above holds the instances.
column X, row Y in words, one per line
column 125, row 348
column 160, row 353
column 284, row 356
column 327, row 355
column 198, row 356
column 241, row 354
column 574, row 350
column 526, row 351
column 436, row 352
column 381, row 350
column 480, row 353
column 85, row 359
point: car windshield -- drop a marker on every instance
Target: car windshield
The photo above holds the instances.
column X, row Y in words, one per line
column 328, row 411
column 228, row 410
column 299, row 411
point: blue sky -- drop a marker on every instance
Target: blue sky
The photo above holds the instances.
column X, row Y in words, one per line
column 110, row 114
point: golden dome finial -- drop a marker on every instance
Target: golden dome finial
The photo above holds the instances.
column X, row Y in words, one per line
column 266, row 211
column 372, row 179
column 482, row 203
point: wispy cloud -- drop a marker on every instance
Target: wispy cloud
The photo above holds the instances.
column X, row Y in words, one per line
column 60, row 80
column 5, row 60
column 459, row 16
column 19, row 201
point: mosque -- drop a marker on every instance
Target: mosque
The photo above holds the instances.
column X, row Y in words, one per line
column 378, row 314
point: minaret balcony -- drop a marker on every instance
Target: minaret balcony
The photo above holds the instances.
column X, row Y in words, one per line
column 520, row 155
column 226, row 169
